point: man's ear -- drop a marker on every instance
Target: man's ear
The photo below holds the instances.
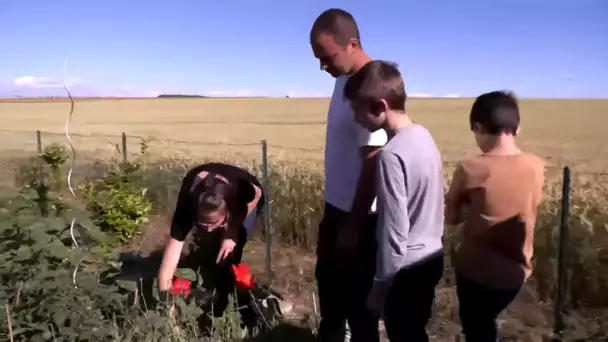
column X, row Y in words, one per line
column 353, row 44
column 517, row 131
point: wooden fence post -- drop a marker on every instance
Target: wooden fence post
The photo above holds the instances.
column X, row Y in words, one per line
column 41, row 188
column 562, row 258
column 266, row 212
column 124, row 147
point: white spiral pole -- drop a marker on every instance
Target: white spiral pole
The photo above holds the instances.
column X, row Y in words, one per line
column 67, row 135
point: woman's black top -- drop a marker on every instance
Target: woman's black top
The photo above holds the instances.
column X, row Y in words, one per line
column 187, row 201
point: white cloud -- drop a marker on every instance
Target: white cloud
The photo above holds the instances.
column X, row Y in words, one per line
column 419, row 95
column 43, row 82
column 451, row 95
column 36, row 86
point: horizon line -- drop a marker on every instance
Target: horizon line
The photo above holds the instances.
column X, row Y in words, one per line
column 205, row 97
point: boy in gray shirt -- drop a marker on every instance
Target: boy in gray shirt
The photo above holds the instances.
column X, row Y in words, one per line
column 410, row 204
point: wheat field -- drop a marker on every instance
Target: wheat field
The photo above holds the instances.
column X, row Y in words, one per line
column 563, row 132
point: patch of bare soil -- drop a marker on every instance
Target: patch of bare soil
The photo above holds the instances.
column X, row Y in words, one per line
column 152, row 239
column 527, row 319
column 292, row 277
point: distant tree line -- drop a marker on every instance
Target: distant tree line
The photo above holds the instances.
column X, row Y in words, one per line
column 180, row 95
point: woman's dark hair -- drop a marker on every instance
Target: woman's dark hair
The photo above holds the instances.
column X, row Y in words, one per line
column 212, row 193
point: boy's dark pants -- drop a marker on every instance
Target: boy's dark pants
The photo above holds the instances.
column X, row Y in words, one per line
column 410, row 300
column 479, row 308
column 343, row 288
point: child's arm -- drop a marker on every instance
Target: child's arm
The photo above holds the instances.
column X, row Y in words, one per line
column 393, row 224
column 453, row 199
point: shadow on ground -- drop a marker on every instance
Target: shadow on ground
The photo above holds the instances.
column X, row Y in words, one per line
column 141, row 271
column 284, row 332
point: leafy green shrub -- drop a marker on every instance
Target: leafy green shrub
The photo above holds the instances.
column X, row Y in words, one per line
column 42, row 174
column 55, row 155
column 117, row 204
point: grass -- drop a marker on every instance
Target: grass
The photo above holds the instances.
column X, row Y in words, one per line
column 189, row 131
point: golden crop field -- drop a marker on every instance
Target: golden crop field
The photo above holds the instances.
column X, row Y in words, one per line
column 561, row 131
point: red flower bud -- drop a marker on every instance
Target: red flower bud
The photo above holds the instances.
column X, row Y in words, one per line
column 181, row 286
column 243, row 277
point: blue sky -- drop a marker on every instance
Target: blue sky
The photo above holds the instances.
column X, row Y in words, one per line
column 538, row 48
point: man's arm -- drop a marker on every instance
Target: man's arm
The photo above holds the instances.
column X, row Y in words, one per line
column 366, row 190
column 370, row 144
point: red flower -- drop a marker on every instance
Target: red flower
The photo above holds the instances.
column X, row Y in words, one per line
column 243, row 277
column 181, row 286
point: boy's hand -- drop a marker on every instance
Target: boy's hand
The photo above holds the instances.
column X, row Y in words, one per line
column 375, row 299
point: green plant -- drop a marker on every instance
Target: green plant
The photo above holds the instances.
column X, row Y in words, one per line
column 55, row 155
column 116, row 204
column 42, row 174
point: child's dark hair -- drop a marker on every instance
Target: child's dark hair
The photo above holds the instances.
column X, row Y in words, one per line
column 496, row 112
column 377, row 80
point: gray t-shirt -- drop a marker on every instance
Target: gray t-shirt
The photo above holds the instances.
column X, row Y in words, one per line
column 410, row 191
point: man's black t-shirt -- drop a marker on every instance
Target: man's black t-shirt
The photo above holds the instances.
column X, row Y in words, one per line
column 241, row 179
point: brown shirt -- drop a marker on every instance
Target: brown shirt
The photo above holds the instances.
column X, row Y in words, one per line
column 496, row 199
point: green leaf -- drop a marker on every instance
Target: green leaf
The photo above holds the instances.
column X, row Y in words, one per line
column 59, row 316
column 20, row 331
column 57, row 250
column 24, row 253
column 128, row 285
column 55, row 225
column 40, row 237
column 98, row 250
column 186, row 273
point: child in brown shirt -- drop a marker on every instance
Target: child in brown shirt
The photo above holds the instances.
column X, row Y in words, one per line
column 495, row 197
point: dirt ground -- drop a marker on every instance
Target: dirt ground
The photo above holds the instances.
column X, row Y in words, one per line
column 526, row 319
